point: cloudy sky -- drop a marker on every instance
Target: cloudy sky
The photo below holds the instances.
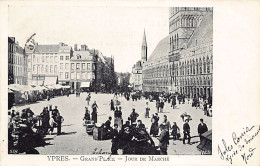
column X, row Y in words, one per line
column 116, row 31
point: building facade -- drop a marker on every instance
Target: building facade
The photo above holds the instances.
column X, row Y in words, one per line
column 45, row 66
column 187, row 67
column 157, row 69
column 65, row 54
column 17, row 63
column 136, row 79
column 194, row 70
column 82, row 69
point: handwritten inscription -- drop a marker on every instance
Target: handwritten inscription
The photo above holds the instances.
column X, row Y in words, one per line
column 240, row 145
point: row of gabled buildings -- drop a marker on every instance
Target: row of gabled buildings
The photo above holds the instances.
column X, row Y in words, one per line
column 37, row 64
column 182, row 61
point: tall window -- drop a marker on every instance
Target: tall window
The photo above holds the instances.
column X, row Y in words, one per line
column 61, row 58
column 67, row 66
column 88, row 66
column 66, row 75
column 78, row 66
column 51, row 69
column 38, row 59
column 42, row 69
column 47, row 69
column 83, row 66
column 61, row 65
column 72, row 66
column 42, row 58
column 47, row 58
column 51, row 59
column 55, row 69
column 67, row 57
column 61, row 75
column 56, row 58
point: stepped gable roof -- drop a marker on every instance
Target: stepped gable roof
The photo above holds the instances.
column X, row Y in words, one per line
column 84, row 55
column 162, row 49
column 203, row 33
column 46, row 48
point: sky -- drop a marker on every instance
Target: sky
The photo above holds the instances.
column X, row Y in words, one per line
column 116, row 31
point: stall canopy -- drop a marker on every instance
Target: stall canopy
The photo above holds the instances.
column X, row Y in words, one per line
column 57, row 86
column 50, row 80
column 206, row 142
column 85, row 84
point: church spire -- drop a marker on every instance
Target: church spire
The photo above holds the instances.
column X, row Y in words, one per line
column 144, row 40
column 144, row 49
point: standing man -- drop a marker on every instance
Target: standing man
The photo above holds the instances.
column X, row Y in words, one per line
column 94, row 112
column 166, row 123
column 59, row 120
column 133, row 116
column 115, row 140
column 202, row 128
column 186, row 131
column 147, row 110
column 163, row 140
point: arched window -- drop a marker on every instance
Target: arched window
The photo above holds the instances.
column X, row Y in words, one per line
column 204, row 65
column 177, row 41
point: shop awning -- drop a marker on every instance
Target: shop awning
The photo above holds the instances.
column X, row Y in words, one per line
column 85, row 84
column 50, row 80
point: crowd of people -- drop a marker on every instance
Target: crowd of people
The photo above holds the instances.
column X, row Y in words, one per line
column 27, row 130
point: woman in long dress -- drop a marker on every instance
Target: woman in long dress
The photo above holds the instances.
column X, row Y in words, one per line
column 154, row 127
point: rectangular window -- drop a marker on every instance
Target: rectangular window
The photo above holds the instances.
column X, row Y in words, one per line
column 61, row 66
column 78, row 76
column 83, row 76
column 51, row 69
column 42, row 58
column 47, row 58
column 72, row 75
column 67, row 57
column 38, row 59
column 47, row 69
column 66, row 75
column 88, row 66
column 67, row 66
column 56, row 58
column 72, row 66
column 61, row 74
column 51, row 59
column 55, row 69
column 33, row 68
column 83, row 66
column 61, row 58
column 78, row 66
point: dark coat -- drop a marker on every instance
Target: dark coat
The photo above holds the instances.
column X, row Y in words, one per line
column 202, row 128
column 186, row 128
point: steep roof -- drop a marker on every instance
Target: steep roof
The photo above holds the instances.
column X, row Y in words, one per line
column 84, row 55
column 203, row 33
column 46, row 48
column 162, row 49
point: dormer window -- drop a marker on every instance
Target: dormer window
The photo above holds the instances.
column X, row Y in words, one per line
column 78, row 57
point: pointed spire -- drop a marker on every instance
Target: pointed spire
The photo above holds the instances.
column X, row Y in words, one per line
column 144, row 39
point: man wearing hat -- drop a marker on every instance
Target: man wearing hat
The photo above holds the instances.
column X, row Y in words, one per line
column 163, row 140
column 202, row 128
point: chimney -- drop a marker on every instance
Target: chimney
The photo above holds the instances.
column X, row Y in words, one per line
column 75, row 47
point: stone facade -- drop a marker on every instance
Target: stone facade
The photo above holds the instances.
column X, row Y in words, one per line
column 186, row 65
column 17, row 63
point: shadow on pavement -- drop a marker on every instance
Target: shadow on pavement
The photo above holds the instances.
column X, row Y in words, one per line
column 69, row 133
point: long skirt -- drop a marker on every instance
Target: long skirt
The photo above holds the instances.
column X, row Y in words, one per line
column 154, row 129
